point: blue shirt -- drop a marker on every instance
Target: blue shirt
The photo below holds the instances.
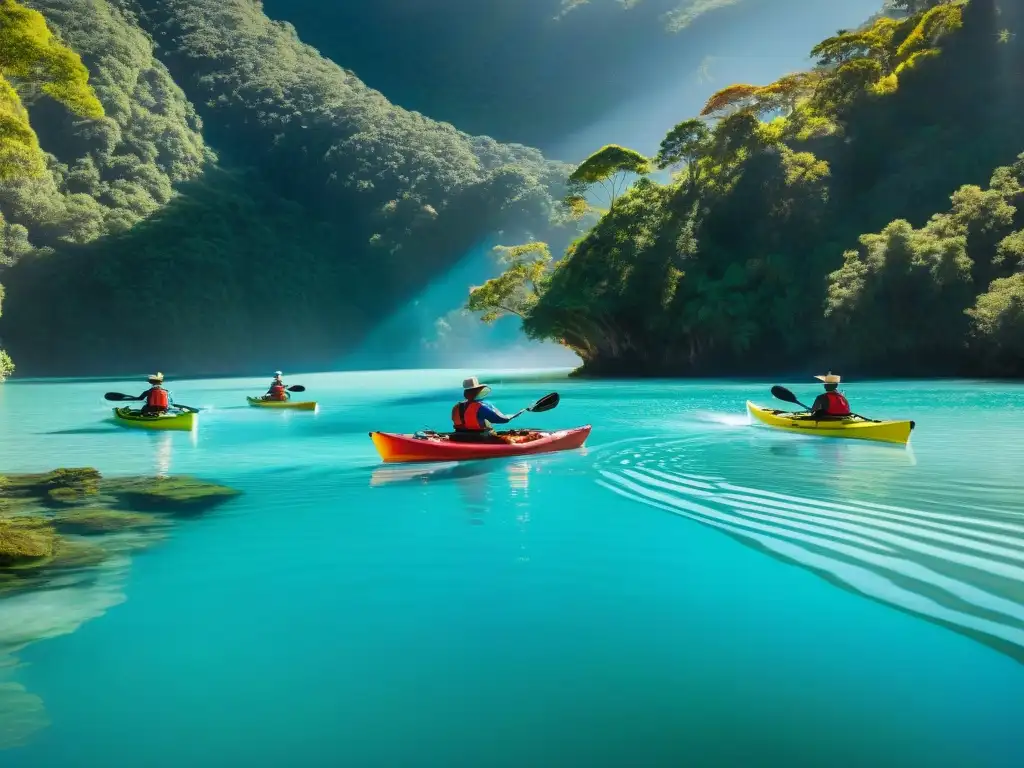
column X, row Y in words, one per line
column 491, row 414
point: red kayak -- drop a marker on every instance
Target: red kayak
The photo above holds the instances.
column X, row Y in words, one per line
column 434, row 446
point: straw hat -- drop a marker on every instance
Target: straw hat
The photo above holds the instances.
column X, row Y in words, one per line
column 157, row 377
column 829, row 378
column 472, row 384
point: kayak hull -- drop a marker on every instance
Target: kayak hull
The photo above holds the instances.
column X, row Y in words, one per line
column 410, row 448
column 855, row 428
column 292, row 405
column 184, row 421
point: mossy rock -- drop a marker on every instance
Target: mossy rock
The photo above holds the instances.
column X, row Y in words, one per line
column 71, row 486
column 61, row 487
column 26, row 541
column 174, row 495
column 91, row 521
column 71, row 555
column 65, row 496
column 75, row 477
column 17, row 505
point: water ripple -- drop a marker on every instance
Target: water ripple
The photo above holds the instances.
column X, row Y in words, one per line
column 957, row 565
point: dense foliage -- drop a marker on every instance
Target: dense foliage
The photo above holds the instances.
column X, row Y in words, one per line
column 738, row 265
column 324, row 207
column 33, row 64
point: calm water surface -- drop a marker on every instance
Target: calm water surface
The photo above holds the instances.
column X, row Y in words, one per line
column 688, row 590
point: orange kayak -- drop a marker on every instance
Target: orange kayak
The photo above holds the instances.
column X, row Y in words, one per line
column 434, row 446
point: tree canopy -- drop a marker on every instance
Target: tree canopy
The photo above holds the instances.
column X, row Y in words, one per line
column 607, row 173
column 764, row 265
column 318, row 188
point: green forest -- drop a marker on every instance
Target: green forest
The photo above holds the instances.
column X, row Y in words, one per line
column 207, row 194
column 864, row 215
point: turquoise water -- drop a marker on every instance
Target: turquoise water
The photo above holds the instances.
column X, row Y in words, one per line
column 687, row 590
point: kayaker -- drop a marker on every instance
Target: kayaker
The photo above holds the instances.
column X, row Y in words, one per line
column 830, row 404
column 277, row 389
column 474, row 416
column 158, row 399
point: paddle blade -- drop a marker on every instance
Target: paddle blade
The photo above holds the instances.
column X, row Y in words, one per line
column 785, row 395
column 546, row 403
column 297, row 388
column 118, row 397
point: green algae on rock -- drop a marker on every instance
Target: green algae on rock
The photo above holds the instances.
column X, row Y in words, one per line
column 85, row 486
column 74, row 519
column 60, row 487
column 176, row 495
column 25, row 540
column 92, row 521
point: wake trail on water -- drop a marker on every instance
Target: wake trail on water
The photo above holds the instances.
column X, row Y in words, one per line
column 959, row 567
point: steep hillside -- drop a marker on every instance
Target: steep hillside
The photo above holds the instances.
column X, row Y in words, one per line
column 323, row 208
column 748, row 261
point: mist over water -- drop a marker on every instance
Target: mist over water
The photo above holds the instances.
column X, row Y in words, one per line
column 435, row 330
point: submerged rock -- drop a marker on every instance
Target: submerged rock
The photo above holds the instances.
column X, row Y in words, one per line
column 22, row 715
column 92, row 521
column 175, row 495
column 46, row 517
column 61, row 486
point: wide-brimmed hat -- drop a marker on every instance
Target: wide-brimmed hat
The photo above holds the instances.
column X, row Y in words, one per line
column 155, row 377
column 829, row 378
column 472, row 384
column 277, row 374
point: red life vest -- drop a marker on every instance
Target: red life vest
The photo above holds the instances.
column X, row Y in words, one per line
column 157, row 398
column 277, row 392
column 837, row 405
column 465, row 417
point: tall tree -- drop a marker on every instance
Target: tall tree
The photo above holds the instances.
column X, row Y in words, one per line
column 611, row 170
column 516, row 290
column 685, row 145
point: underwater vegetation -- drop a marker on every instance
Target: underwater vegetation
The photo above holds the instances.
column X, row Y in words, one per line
column 67, row 519
column 65, row 537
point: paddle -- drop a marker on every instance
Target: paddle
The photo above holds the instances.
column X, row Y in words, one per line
column 120, row 397
column 297, row 388
column 546, row 403
column 786, row 396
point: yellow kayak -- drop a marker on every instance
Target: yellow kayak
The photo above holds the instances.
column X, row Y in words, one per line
column 259, row 402
column 854, row 427
column 184, row 421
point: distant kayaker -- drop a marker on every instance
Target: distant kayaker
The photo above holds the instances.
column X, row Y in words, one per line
column 831, row 403
column 277, row 389
column 158, row 399
column 473, row 416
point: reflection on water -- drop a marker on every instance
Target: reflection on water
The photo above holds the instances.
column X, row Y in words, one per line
column 395, row 474
column 162, row 455
column 519, row 484
column 475, row 483
column 962, row 568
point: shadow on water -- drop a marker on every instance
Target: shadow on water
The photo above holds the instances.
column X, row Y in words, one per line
column 84, row 431
column 443, row 473
column 954, row 566
column 427, row 398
